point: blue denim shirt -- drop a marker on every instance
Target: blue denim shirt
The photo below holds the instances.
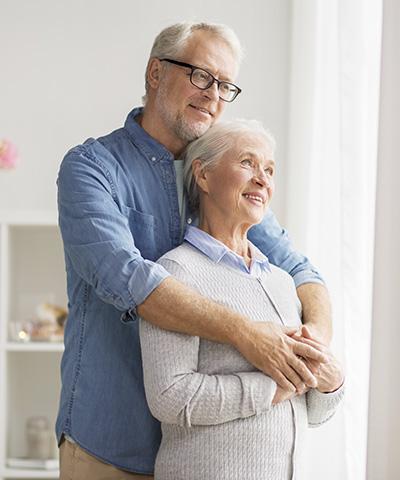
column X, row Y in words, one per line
column 118, row 213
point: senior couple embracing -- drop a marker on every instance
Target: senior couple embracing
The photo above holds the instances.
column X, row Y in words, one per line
column 197, row 342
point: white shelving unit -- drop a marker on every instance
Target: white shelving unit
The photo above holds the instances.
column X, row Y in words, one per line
column 31, row 272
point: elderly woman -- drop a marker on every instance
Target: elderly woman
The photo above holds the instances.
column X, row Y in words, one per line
column 221, row 418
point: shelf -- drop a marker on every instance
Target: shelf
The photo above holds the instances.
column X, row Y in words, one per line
column 42, row 218
column 14, row 473
column 32, row 274
column 34, row 347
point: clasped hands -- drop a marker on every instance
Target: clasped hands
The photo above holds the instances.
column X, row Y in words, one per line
column 328, row 374
column 294, row 358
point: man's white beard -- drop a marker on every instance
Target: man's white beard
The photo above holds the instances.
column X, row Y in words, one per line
column 189, row 132
column 185, row 131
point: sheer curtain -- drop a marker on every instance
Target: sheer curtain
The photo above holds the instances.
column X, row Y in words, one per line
column 331, row 190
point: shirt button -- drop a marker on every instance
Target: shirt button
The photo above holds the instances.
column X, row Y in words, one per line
column 189, row 221
column 153, row 159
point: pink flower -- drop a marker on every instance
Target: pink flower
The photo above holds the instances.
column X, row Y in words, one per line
column 8, row 154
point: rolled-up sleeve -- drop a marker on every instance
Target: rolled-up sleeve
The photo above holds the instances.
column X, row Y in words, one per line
column 97, row 239
column 275, row 243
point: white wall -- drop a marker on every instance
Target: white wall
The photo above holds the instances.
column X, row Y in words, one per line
column 74, row 69
column 384, row 419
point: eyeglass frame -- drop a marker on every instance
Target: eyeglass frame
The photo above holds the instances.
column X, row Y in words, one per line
column 193, row 68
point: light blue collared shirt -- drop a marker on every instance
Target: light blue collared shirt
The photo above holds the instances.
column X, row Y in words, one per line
column 220, row 253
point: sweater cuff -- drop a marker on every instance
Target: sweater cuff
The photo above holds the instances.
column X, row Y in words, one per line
column 322, row 406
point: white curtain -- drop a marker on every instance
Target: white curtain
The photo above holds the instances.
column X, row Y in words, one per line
column 331, row 191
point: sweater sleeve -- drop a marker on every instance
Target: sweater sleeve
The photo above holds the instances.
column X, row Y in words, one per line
column 322, row 406
column 177, row 393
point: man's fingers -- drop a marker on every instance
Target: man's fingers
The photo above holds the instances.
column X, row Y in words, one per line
column 307, row 351
column 313, row 343
column 304, row 372
column 309, row 332
column 282, row 381
column 293, row 377
column 312, row 365
column 306, row 332
column 290, row 330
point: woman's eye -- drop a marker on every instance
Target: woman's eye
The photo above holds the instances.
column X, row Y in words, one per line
column 247, row 162
column 269, row 171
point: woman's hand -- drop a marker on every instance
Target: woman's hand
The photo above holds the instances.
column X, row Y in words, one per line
column 329, row 375
column 282, row 394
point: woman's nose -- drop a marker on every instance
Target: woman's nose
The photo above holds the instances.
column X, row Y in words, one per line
column 262, row 178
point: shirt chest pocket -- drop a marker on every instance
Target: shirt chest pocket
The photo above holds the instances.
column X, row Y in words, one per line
column 145, row 232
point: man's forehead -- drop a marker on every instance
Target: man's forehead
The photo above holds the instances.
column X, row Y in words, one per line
column 212, row 53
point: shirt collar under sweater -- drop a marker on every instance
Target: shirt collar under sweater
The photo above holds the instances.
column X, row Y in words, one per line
column 218, row 252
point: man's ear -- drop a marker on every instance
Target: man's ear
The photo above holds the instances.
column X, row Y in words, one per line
column 200, row 175
column 154, row 72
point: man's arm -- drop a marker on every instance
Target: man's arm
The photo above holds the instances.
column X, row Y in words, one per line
column 176, row 307
column 275, row 243
column 316, row 310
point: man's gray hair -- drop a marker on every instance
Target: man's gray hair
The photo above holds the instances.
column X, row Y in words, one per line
column 171, row 42
column 210, row 147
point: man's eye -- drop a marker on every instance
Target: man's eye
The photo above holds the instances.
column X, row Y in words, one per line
column 202, row 75
column 225, row 87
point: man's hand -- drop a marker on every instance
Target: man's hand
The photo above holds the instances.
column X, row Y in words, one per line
column 329, row 375
column 270, row 348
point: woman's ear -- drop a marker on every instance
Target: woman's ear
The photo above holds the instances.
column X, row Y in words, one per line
column 154, row 72
column 200, row 175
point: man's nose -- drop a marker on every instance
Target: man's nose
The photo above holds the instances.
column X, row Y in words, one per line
column 212, row 91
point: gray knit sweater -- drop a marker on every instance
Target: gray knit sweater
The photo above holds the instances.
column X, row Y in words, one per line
column 215, row 407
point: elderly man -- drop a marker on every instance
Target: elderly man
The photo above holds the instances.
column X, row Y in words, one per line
column 121, row 207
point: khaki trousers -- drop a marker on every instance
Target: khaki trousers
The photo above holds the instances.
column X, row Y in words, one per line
column 76, row 464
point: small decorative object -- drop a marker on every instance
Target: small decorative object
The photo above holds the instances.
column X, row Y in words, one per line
column 47, row 325
column 39, row 438
column 19, row 331
column 8, row 154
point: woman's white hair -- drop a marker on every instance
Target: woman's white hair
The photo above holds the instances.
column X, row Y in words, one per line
column 210, row 147
column 171, row 42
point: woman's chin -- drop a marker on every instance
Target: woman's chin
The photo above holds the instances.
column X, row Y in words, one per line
column 256, row 219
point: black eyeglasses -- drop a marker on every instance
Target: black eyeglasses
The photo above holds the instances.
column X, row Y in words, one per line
column 202, row 79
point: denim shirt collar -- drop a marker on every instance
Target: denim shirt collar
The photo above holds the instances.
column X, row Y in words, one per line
column 218, row 252
column 152, row 149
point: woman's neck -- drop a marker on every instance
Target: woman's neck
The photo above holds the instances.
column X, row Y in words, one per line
column 233, row 236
